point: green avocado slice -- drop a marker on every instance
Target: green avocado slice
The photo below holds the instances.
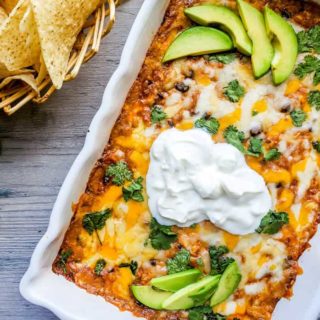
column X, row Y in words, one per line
column 177, row 281
column 262, row 51
column 285, row 44
column 226, row 19
column 150, row 297
column 193, row 295
column 229, row 282
column 198, row 41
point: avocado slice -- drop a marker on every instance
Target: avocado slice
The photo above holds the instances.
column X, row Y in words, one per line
column 150, row 297
column 226, row 19
column 193, row 295
column 262, row 51
column 285, row 45
column 198, row 41
column 229, row 282
column 177, row 281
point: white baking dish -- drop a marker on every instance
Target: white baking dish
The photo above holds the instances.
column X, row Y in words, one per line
column 42, row 287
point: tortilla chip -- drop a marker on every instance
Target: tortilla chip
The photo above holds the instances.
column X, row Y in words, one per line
column 19, row 40
column 26, row 78
column 59, row 22
column 3, row 15
column 8, row 5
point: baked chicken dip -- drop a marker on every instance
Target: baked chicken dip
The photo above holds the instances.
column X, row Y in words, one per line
column 207, row 192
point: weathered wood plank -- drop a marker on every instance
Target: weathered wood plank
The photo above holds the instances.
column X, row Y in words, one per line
column 37, row 148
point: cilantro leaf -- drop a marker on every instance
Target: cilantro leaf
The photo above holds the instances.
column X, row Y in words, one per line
column 204, row 313
column 272, row 222
column 235, row 137
column 100, row 265
column 309, row 40
column 63, row 259
column 210, row 125
column 272, row 154
column 316, row 146
column 219, row 263
column 181, row 262
column 134, row 191
column 160, row 236
column 314, row 99
column 133, row 265
column 234, row 91
column 224, row 58
column 119, row 172
column 298, row 117
column 255, row 147
column 92, row 222
column 157, row 114
column 309, row 65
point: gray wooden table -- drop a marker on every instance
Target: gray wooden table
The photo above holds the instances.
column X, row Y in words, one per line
column 37, row 148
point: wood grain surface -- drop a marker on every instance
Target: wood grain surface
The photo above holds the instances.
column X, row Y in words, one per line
column 37, row 148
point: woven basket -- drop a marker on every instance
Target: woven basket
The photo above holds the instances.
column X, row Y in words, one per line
column 16, row 93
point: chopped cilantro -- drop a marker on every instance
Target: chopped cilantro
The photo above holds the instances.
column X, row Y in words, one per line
column 63, row 259
column 100, row 265
column 255, row 147
column 272, row 154
column 314, row 99
column 200, row 262
column 179, row 263
column 219, row 263
column 133, row 265
column 309, row 40
column 234, row 91
column 157, row 114
column 272, row 222
column 298, row 117
column 316, row 146
column 224, row 58
column 160, row 236
column 210, row 125
column 119, row 172
column 92, row 222
column 204, row 313
column 254, row 113
column 134, row 191
column 235, row 137
column 309, row 65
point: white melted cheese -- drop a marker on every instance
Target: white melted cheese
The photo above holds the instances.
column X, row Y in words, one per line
column 192, row 179
column 305, row 177
column 209, row 102
column 254, row 288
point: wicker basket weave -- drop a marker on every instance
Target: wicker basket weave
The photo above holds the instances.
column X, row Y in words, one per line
column 17, row 93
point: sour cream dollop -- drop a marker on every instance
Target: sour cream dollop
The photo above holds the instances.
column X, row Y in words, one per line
column 191, row 179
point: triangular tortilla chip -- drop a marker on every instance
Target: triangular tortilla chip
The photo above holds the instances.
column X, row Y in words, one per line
column 59, row 22
column 19, row 40
column 26, row 78
column 8, row 5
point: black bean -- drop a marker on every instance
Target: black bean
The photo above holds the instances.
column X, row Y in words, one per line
column 285, row 108
column 153, row 262
column 286, row 14
column 180, row 86
column 170, row 123
column 255, row 131
column 160, row 95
